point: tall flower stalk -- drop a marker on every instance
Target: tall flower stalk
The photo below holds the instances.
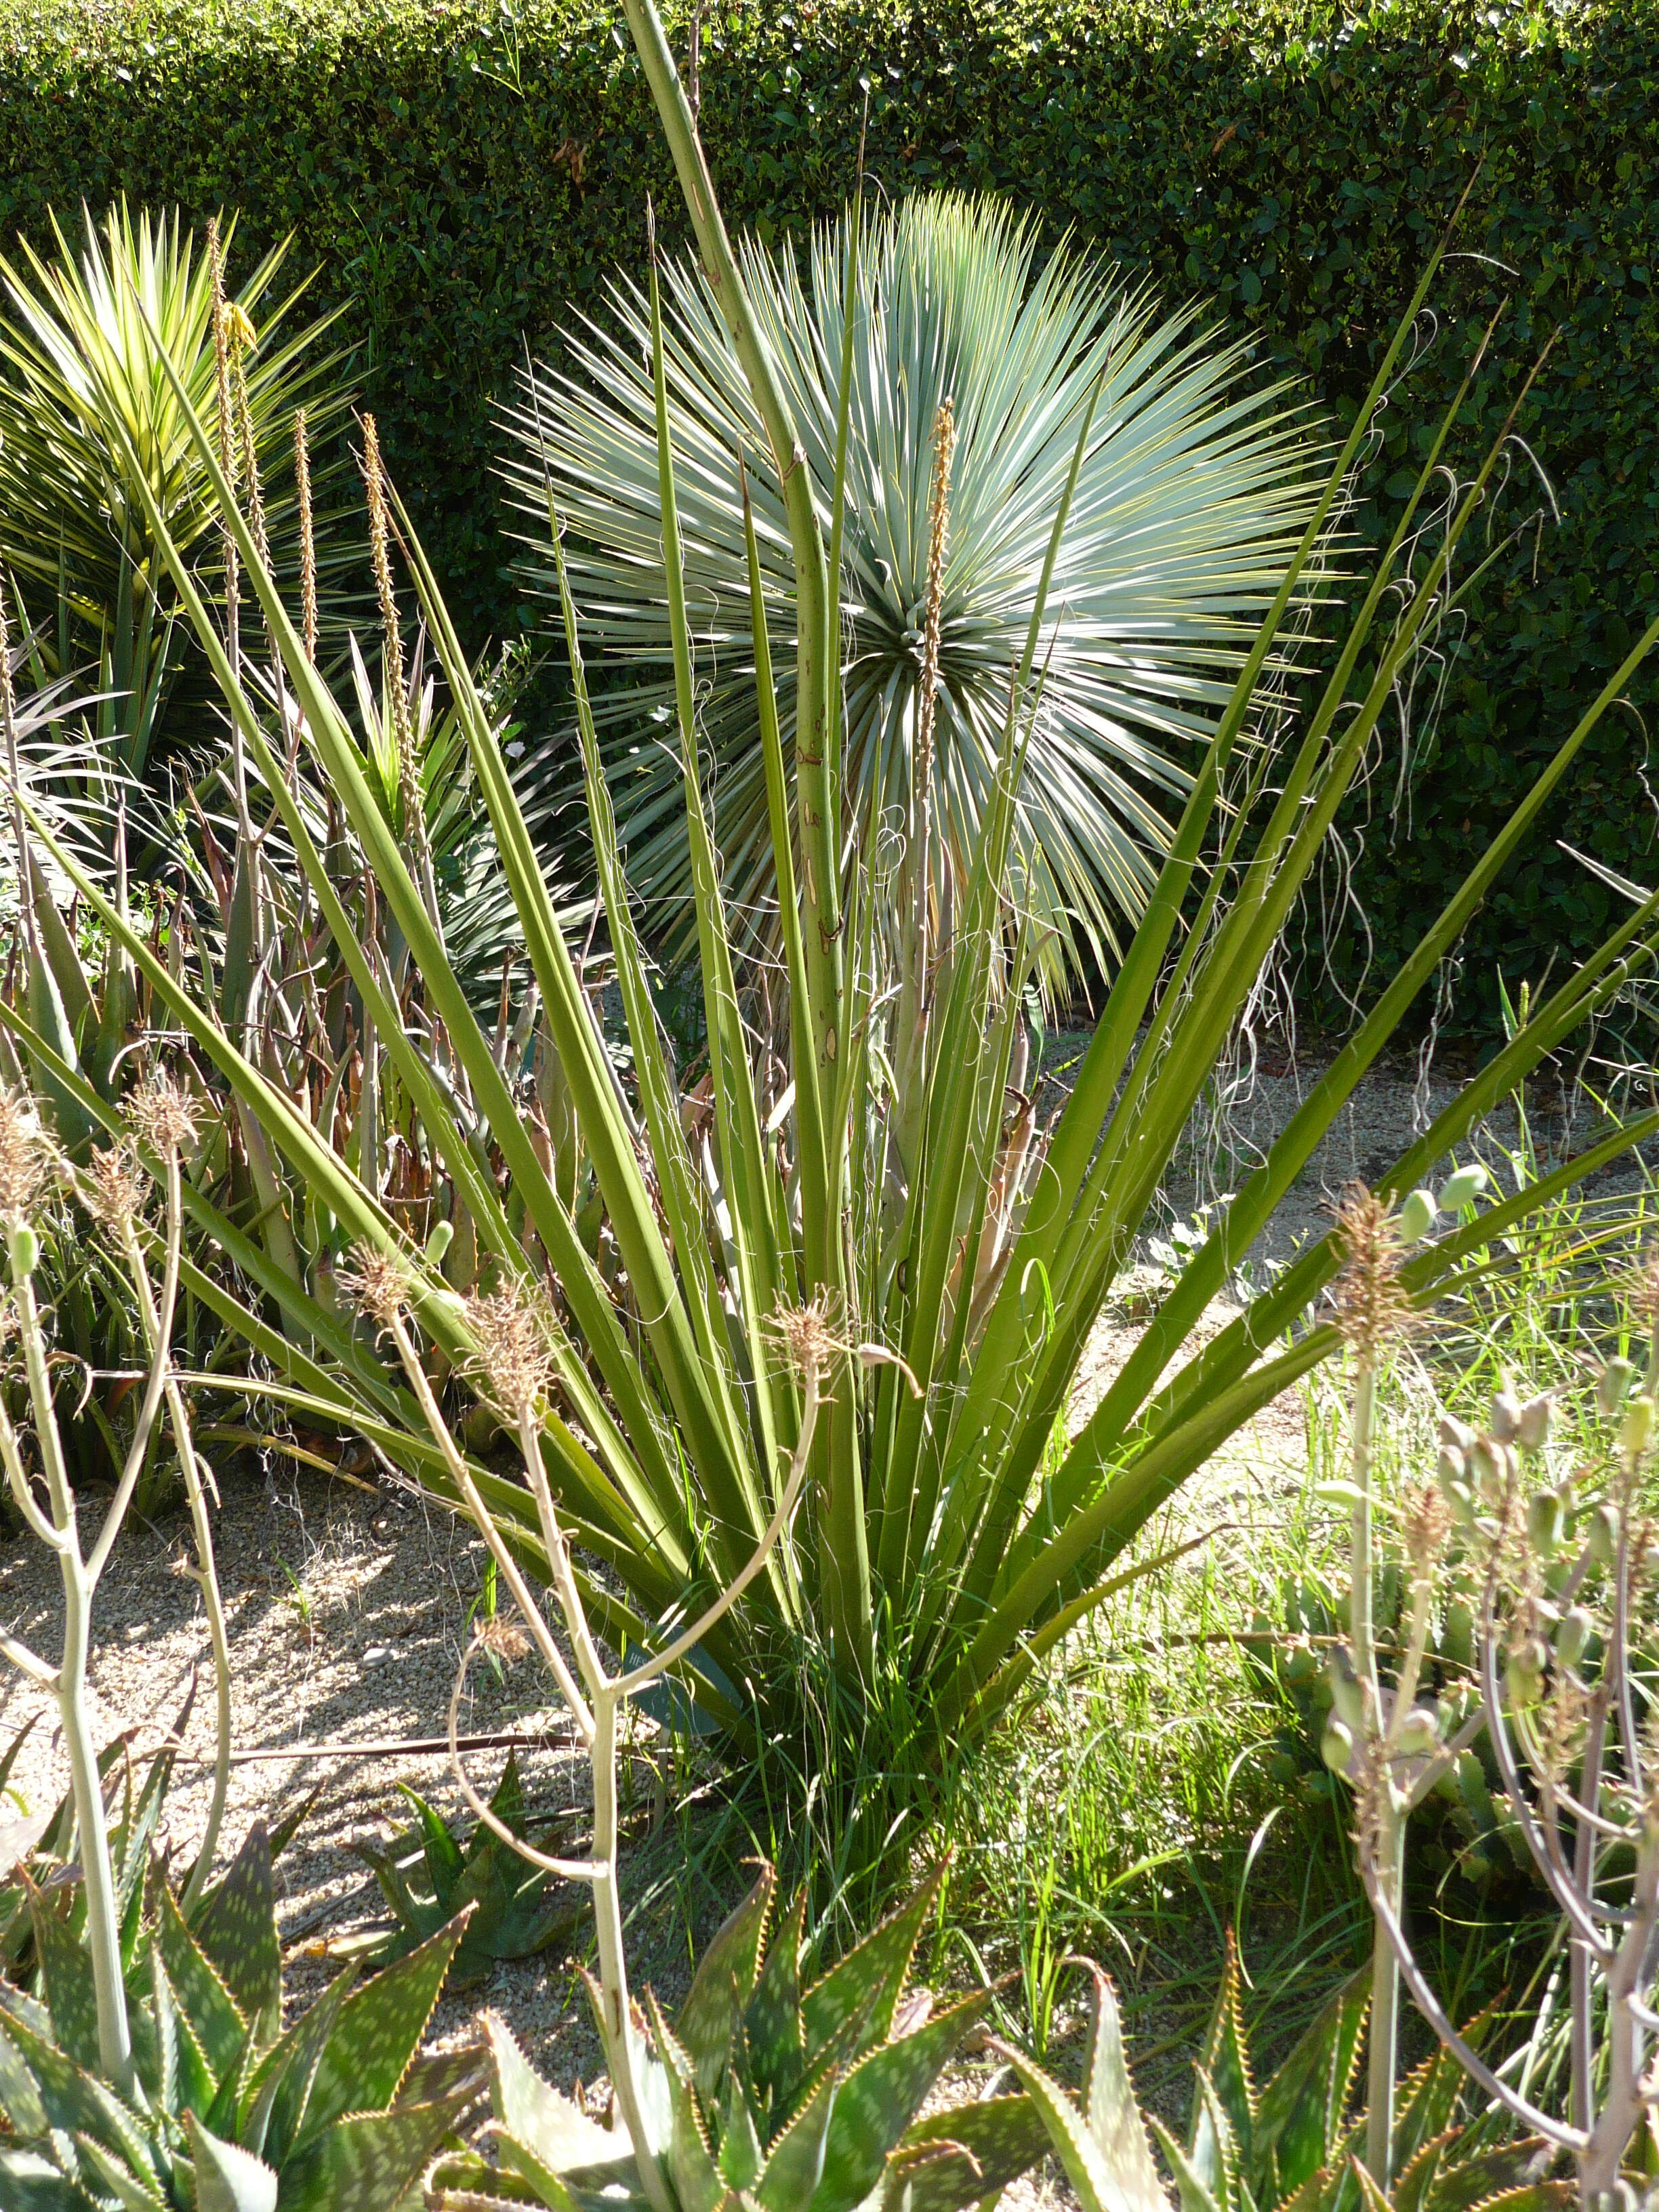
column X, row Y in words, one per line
column 24, row 1165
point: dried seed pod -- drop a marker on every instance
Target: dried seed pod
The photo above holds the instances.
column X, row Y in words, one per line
column 1417, row 1216
column 1505, row 1415
column 1532, row 1428
column 1452, row 1466
column 1612, row 1387
column 1455, row 1435
column 1336, row 1746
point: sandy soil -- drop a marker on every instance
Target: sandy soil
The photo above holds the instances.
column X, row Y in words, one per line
column 348, row 1609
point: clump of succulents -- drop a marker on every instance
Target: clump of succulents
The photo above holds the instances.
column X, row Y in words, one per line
column 225, row 2112
column 766, row 2092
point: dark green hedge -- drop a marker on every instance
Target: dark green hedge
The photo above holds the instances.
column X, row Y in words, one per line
column 471, row 173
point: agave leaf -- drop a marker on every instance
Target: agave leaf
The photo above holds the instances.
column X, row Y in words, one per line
column 1428, row 2097
column 1299, row 2114
column 866, row 1986
column 879, row 2097
column 955, row 2160
column 374, row 2037
column 368, row 2161
column 722, row 1986
column 1115, row 2174
column 236, row 1928
column 66, row 1984
column 228, row 2177
column 1224, row 2060
column 742, row 2156
column 212, row 2014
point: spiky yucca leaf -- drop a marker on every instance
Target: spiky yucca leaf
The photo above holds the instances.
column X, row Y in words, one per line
column 1193, row 493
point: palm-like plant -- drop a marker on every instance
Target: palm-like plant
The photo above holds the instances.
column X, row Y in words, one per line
column 1192, row 495
column 950, row 1532
column 94, row 436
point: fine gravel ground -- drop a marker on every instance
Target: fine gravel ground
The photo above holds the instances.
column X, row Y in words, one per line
column 349, row 1608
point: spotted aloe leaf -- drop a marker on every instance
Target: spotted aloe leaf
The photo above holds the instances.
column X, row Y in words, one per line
column 544, row 2135
column 953, row 2161
column 1225, row 2064
column 1299, row 2114
column 867, row 1984
column 773, row 2022
column 878, row 2099
column 1102, row 2145
column 375, row 2037
column 228, row 2177
column 795, row 2164
column 42, row 2090
column 722, row 1986
column 236, row 1931
column 275, row 2100
column 215, row 2021
column 368, row 2161
column 65, row 1982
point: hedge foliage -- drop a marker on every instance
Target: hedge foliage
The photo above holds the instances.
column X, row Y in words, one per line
column 472, row 171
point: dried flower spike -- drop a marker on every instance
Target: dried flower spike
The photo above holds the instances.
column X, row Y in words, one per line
column 115, row 1194
column 378, row 1281
column 24, row 1156
column 1372, row 1308
column 163, row 1116
column 502, row 1637
column 513, row 1362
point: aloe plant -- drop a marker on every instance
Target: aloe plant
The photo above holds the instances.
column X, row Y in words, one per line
column 517, row 1909
column 1290, row 2141
column 764, row 2091
column 226, row 2111
column 887, row 1168
column 1191, row 499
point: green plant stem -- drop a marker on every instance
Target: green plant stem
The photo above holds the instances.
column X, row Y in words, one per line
column 97, row 1876
column 1385, row 1972
column 207, row 1575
